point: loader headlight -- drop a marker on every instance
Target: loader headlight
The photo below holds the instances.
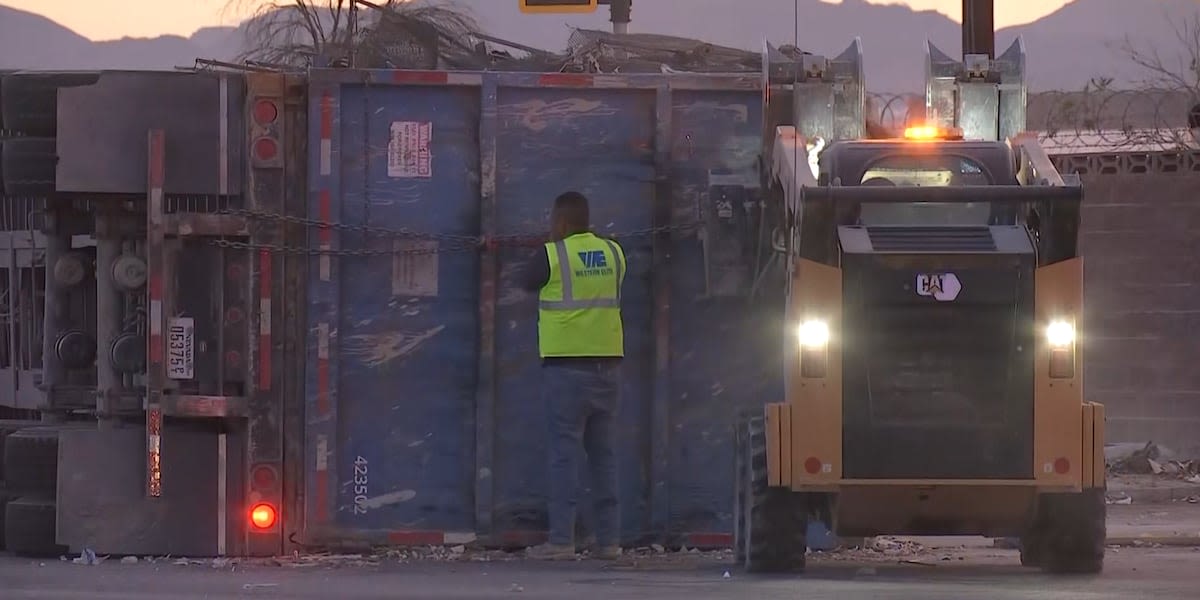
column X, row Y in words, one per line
column 1060, row 334
column 813, row 334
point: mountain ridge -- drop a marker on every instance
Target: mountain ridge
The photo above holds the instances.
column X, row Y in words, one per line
column 1066, row 49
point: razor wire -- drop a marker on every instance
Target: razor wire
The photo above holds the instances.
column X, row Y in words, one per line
column 1086, row 121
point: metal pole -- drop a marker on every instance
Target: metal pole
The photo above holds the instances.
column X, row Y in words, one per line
column 109, row 315
column 621, row 11
column 55, row 318
column 979, row 27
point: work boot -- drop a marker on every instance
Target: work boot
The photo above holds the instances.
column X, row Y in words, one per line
column 552, row 552
column 606, row 552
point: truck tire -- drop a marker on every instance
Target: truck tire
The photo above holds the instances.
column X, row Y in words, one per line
column 776, row 520
column 1073, row 532
column 7, row 427
column 1031, row 551
column 28, row 166
column 29, row 528
column 29, row 101
column 31, row 461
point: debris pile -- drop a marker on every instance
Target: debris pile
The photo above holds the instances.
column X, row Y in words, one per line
column 1152, row 460
column 597, row 51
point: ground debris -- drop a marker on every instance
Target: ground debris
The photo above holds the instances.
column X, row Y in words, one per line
column 1152, row 459
column 886, row 549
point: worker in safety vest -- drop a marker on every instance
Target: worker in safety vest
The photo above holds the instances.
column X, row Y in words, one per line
column 578, row 276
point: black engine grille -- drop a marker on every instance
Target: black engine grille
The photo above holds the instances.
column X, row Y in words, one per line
column 931, row 239
column 939, row 365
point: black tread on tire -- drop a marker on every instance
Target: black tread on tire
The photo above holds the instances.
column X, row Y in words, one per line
column 29, row 528
column 29, row 101
column 5, row 497
column 1073, row 532
column 31, row 461
column 28, row 166
column 776, row 535
column 739, row 483
column 8, row 426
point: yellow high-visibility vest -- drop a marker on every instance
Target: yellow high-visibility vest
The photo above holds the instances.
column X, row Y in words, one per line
column 579, row 309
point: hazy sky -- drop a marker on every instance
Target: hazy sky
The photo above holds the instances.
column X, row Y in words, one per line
column 111, row 19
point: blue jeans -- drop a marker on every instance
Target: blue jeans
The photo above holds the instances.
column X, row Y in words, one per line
column 581, row 405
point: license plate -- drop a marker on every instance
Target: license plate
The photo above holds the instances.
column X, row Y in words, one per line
column 181, row 348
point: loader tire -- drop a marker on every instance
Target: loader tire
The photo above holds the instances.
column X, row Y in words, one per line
column 29, row 528
column 1074, row 532
column 776, row 532
column 5, row 497
column 7, row 427
column 29, row 101
column 31, row 461
column 28, row 166
column 739, row 484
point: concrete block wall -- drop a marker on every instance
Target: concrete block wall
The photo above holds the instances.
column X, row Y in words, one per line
column 1141, row 245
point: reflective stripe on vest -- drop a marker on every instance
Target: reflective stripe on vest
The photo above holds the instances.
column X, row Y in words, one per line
column 569, row 302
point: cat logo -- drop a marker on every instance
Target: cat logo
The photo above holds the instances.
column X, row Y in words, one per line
column 943, row 287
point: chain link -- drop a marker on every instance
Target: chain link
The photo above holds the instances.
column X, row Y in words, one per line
column 445, row 242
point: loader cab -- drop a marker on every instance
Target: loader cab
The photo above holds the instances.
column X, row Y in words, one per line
column 923, row 163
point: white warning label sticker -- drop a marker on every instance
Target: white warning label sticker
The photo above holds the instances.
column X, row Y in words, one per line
column 408, row 150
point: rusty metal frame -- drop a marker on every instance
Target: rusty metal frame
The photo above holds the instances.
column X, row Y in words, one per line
column 155, row 352
column 660, row 402
column 489, row 273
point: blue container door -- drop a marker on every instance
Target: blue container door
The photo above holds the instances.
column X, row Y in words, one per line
column 406, row 333
column 599, row 142
column 726, row 350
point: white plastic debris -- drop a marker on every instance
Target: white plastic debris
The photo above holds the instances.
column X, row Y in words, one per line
column 129, row 560
column 87, row 557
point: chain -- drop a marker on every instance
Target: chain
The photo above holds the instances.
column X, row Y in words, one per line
column 445, row 242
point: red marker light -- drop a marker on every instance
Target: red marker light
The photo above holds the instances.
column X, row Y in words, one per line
column 263, row 516
column 265, row 112
column 265, row 149
column 1062, row 466
column 812, row 465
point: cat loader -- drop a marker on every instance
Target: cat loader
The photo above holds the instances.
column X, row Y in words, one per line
column 934, row 350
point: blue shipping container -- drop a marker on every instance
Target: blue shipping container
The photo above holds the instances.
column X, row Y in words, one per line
column 424, row 418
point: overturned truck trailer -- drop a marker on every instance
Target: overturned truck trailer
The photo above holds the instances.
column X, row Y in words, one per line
column 282, row 311
column 160, row 380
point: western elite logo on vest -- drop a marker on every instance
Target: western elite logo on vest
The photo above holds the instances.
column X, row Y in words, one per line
column 595, row 264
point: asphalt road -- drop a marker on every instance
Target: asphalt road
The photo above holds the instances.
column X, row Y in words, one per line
column 959, row 574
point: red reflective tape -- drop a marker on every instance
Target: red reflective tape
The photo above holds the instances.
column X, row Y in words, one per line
column 327, row 116
column 322, row 387
column 325, row 208
column 709, row 540
column 417, row 538
column 157, row 161
column 427, row 77
column 566, row 80
column 264, row 332
column 321, row 501
column 154, row 420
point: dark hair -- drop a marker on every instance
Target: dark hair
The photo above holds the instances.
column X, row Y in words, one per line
column 571, row 210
